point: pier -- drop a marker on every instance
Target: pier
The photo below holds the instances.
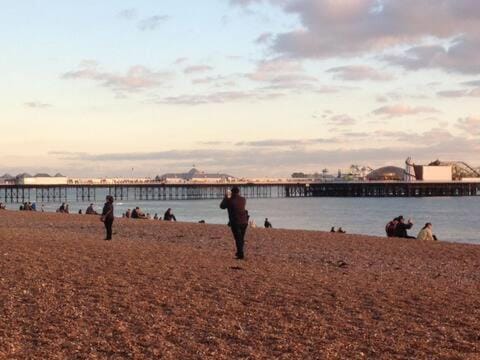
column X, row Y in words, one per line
column 210, row 191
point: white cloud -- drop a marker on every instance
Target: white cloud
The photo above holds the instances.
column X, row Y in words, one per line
column 460, row 93
column 399, row 110
column 219, row 97
column 342, row 120
column 283, row 74
column 136, row 78
column 197, row 69
column 348, row 28
column 128, row 14
column 37, row 105
column 470, row 125
column 152, row 22
column 359, row 73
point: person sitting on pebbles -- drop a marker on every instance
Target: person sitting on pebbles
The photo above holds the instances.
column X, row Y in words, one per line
column 169, row 216
column 426, row 233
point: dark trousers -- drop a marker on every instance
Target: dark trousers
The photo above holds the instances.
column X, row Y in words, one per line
column 239, row 231
column 108, row 226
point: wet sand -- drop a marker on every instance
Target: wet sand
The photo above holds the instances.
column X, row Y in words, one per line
column 173, row 290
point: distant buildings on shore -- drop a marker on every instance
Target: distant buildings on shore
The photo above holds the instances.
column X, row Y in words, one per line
column 436, row 171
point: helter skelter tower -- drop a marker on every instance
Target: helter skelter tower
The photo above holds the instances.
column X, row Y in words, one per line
column 409, row 170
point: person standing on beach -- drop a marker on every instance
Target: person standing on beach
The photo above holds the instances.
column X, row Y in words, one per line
column 107, row 216
column 235, row 204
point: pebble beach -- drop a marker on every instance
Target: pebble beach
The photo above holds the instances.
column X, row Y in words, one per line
column 173, row 290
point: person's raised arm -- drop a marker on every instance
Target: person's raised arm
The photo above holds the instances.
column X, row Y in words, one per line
column 224, row 203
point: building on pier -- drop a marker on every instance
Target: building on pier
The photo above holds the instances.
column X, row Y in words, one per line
column 460, row 170
column 387, row 173
column 195, row 176
column 41, row 179
column 7, row 179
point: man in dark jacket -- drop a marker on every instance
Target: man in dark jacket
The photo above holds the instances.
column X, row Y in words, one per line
column 238, row 218
column 402, row 227
column 107, row 216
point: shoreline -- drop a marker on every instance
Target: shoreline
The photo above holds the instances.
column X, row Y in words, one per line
column 147, row 221
column 174, row 290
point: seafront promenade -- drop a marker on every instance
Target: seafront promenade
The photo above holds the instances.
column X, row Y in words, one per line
column 173, row 290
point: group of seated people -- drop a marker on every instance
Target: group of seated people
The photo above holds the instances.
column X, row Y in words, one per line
column 28, row 206
column 63, row 209
column 137, row 213
column 340, row 230
column 398, row 227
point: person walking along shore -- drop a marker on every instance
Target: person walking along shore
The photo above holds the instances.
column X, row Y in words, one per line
column 107, row 216
column 238, row 219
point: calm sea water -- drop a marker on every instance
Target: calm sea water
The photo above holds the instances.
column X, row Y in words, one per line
column 454, row 219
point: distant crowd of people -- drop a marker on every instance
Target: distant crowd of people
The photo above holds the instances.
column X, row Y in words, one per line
column 137, row 213
column 28, row 206
column 398, row 227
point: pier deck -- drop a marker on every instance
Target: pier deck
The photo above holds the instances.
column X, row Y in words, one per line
column 201, row 191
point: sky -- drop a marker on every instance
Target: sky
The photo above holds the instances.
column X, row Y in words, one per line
column 248, row 87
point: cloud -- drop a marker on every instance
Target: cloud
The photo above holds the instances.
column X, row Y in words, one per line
column 474, row 83
column 197, row 69
column 217, row 81
column 462, row 56
column 470, row 125
column 213, row 143
column 219, row 97
column 246, row 3
column 264, row 38
column 359, row 73
column 283, row 74
column 341, row 120
column 355, row 134
column 37, row 105
column 152, row 22
column 460, row 93
column 128, row 14
column 180, row 60
column 136, row 78
column 274, row 143
column 349, row 28
column 403, row 110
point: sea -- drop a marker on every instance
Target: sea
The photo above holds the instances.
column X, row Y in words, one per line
column 454, row 219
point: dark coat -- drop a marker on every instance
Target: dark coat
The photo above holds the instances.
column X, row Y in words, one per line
column 401, row 229
column 237, row 214
column 108, row 211
column 168, row 216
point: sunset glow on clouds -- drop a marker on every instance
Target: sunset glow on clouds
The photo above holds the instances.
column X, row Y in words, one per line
column 249, row 87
